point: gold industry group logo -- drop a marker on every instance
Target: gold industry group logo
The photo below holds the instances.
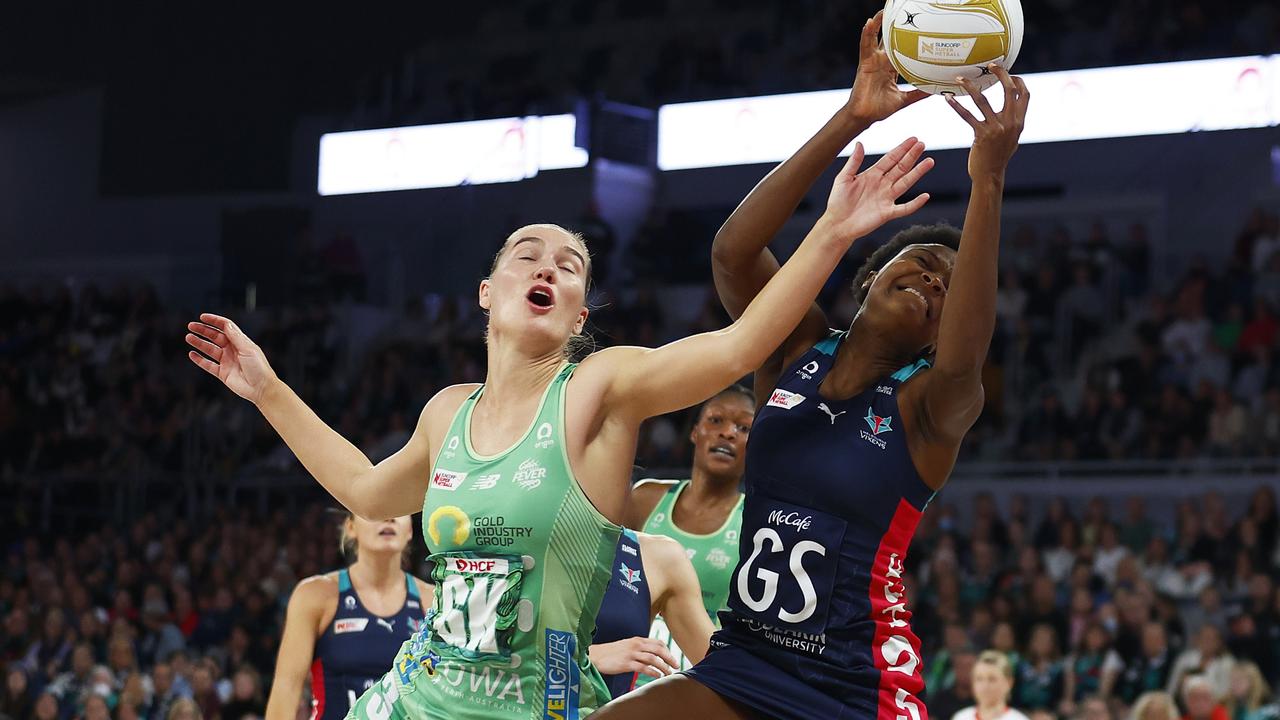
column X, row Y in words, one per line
column 461, row 524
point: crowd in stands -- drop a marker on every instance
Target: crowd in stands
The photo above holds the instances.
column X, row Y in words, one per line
column 1091, row 361
column 153, row 620
column 1096, row 611
column 1095, row 607
column 1187, row 372
column 542, row 54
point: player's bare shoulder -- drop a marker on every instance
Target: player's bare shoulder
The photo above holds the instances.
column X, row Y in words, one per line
column 645, row 496
column 440, row 410
column 315, row 599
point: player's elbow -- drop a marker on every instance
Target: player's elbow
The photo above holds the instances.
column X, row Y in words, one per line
column 726, row 257
column 961, row 367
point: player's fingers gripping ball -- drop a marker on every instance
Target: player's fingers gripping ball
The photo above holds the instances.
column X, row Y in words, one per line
column 931, row 42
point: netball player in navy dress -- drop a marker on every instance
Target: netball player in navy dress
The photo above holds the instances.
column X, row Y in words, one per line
column 344, row 628
column 652, row 575
column 857, row 431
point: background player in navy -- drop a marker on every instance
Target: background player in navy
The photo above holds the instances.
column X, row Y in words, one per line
column 853, row 440
column 651, row 575
column 344, row 628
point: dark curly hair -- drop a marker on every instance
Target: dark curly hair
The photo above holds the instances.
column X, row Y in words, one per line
column 938, row 234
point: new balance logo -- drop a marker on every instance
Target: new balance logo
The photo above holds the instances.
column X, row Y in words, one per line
column 823, row 407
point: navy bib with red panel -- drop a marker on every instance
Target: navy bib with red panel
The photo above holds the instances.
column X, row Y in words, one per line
column 817, row 605
column 358, row 648
column 625, row 609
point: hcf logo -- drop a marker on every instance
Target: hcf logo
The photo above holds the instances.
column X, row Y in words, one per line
column 878, row 424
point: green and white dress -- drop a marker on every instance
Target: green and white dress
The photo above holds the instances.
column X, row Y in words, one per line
column 521, row 561
column 713, row 555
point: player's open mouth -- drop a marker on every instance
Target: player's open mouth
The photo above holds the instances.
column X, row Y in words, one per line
column 923, row 300
column 542, row 298
column 387, row 532
column 725, row 450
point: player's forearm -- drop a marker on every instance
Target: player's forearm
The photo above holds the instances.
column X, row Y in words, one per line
column 332, row 460
column 969, row 317
column 779, row 307
column 282, row 704
column 767, row 207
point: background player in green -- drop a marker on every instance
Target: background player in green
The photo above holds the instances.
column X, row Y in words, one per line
column 704, row 512
column 509, row 631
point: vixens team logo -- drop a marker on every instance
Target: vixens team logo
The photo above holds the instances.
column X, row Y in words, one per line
column 630, row 578
column 878, row 424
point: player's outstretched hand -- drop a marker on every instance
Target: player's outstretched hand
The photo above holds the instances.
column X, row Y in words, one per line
column 638, row 654
column 875, row 94
column 225, row 352
column 995, row 136
column 860, row 202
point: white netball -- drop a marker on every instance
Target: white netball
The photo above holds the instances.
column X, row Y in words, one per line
column 930, row 42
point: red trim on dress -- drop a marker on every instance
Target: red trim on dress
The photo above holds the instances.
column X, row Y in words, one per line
column 895, row 649
column 317, row 689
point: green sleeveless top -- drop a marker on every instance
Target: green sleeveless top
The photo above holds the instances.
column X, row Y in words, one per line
column 521, row 561
column 713, row 555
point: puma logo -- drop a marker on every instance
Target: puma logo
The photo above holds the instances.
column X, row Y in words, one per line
column 823, row 407
column 388, row 624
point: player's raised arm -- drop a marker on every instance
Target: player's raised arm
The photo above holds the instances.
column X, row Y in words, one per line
column 740, row 258
column 954, row 395
column 392, row 488
column 643, row 383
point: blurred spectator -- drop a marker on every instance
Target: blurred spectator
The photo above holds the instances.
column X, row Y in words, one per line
column 1093, row 669
column 1250, row 697
column 992, row 683
column 1094, row 708
column 1201, row 700
column 46, row 708
column 17, row 701
column 1040, row 675
column 165, row 693
column 1155, row 705
column 1150, row 670
column 185, row 709
column 948, row 702
column 246, row 695
column 1208, row 661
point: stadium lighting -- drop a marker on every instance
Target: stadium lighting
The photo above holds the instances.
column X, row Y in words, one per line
column 1156, row 99
column 446, row 155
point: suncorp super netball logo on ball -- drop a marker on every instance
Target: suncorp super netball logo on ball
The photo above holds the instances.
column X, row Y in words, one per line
column 945, row 49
